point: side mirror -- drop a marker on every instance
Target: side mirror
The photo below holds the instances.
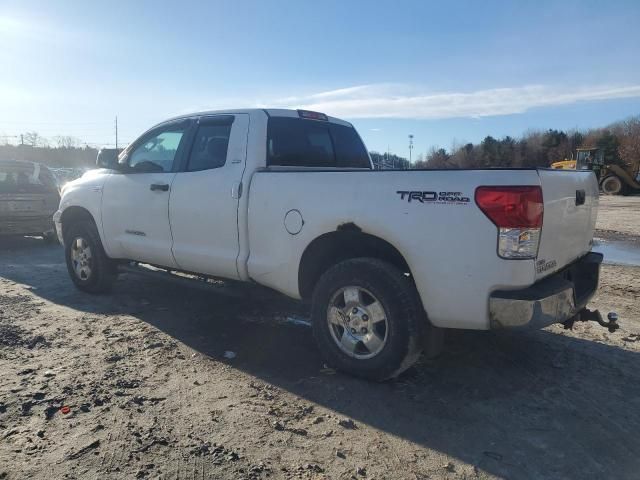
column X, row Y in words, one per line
column 108, row 158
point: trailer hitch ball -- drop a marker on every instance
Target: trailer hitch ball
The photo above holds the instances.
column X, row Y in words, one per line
column 612, row 317
column 613, row 321
column 586, row 315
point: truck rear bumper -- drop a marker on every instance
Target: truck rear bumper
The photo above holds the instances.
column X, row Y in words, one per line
column 554, row 299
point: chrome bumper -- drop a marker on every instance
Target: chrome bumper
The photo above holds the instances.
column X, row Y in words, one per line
column 554, row 299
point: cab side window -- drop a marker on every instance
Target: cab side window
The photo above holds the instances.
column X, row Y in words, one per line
column 210, row 146
column 296, row 142
column 157, row 153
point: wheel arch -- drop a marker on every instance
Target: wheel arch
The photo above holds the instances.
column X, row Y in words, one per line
column 347, row 242
column 73, row 214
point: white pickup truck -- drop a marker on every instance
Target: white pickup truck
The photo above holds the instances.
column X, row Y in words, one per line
column 289, row 199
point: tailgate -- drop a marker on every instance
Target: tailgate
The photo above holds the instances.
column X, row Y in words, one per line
column 570, row 210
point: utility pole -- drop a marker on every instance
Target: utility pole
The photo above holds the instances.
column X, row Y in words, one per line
column 116, row 132
column 410, row 147
column 21, row 139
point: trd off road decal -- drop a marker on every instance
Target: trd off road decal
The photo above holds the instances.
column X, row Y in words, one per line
column 447, row 198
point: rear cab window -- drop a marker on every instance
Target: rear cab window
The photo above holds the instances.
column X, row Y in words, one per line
column 301, row 142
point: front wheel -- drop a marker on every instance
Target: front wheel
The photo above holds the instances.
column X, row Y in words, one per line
column 88, row 265
column 367, row 319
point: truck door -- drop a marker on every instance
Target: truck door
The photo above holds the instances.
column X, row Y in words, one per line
column 203, row 208
column 135, row 201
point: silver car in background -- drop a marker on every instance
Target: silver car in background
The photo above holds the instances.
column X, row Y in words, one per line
column 28, row 199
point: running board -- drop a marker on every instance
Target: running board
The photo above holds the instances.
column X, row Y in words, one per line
column 230, row 288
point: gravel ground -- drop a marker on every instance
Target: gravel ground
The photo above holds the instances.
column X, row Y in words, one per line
column 619, row 218
column 165, row 381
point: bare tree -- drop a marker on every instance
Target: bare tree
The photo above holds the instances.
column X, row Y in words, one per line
column 438, row 158
column 628, row 132
column 66, row 141
column 34, row 139
column 4, row 138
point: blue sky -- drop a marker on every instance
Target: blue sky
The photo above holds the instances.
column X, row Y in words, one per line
column 443, row 71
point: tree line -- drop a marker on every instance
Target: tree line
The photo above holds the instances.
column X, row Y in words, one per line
column 69, row 157
column 620, row 143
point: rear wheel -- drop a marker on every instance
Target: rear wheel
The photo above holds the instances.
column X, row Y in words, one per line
column 367, row 319
column 612, row 185
column 88, row 265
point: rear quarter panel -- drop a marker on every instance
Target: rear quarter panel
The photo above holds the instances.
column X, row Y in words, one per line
column 450, row 246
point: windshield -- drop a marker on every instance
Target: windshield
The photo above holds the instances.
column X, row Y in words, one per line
column 588, row 158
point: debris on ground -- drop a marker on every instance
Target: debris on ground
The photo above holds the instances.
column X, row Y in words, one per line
column 347, row 423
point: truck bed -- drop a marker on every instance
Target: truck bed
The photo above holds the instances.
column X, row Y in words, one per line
column 446, row 239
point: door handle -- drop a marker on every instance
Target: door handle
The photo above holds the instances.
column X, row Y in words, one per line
column 581, row 196
column 236, row 190
column 163, row 187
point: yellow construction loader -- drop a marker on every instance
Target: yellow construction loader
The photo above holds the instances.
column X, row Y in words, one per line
column 614, row 179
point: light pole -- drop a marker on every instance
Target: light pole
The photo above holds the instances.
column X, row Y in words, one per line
column 410, row 146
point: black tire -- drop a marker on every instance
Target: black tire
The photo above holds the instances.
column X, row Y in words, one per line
column 404, row 316
column 612, row 185
column 103, row 271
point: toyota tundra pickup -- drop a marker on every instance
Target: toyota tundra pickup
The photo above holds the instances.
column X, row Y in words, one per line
column 387, row 258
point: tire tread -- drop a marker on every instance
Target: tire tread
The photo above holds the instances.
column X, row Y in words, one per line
column 399, row 290
column 104, row 270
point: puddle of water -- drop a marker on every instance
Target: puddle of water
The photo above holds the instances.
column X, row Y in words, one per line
column 617, row 252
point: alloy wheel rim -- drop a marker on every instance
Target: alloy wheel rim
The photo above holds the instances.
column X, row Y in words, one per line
column 81, row 258
column 357, row 322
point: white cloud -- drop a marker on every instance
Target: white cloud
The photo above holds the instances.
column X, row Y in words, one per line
column 402, row 101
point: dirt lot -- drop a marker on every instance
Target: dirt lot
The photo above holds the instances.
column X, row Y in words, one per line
column 152, row 393
column 619, row 217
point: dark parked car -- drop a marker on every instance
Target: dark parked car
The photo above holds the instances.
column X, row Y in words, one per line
column 28, row 199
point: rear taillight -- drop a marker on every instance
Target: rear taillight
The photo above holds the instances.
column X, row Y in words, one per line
column 517, row 212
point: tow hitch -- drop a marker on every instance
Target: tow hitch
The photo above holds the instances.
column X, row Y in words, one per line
column 586, row 315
